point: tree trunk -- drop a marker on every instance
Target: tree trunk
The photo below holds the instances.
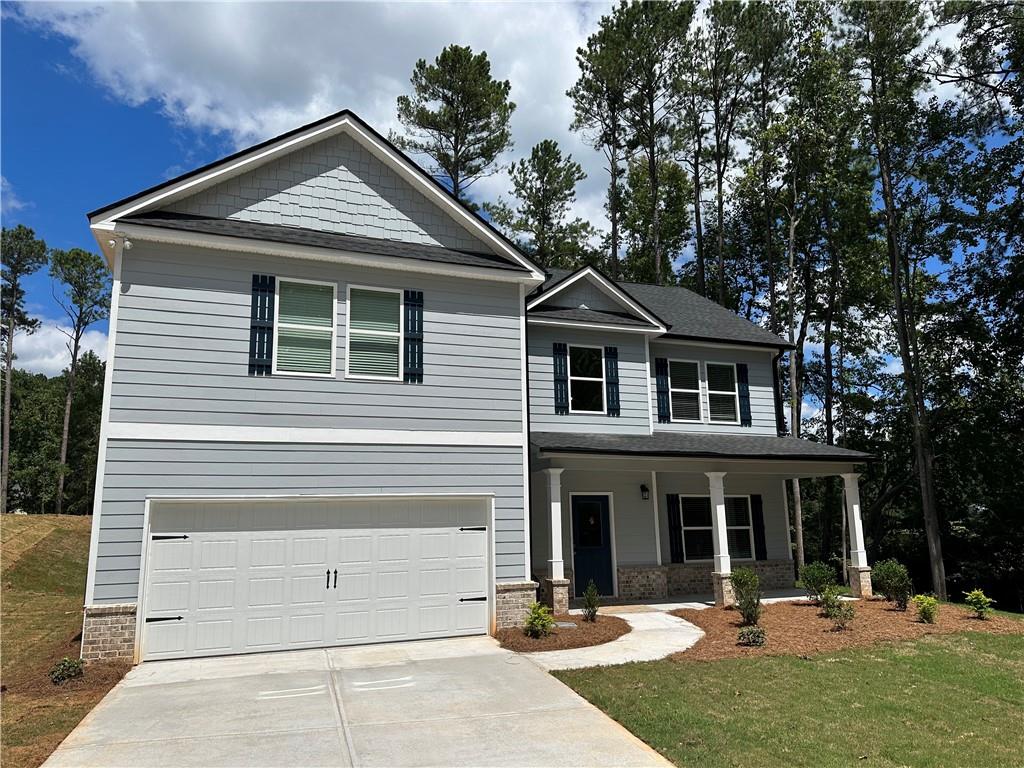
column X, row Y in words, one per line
column 62, row 469
column 613, row 212
column 652, row 170
column 5, row 461
column 798, row 524
column 829, row 508
column 719, row 184
column 698, row 229
column 794, row 395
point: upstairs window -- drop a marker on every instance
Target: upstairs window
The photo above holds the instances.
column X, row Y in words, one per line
column 684, row 389
column 304, row 327
column 723, row 395
column 586, row 380
column 374, row 334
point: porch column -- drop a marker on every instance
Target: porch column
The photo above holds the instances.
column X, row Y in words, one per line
column 721, row 576
column 859, row 571
column 556, row 586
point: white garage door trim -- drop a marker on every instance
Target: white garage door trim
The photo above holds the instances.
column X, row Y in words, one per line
column 156, row 500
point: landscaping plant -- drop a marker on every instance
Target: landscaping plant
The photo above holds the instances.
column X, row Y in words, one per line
column 927, row 608
column 842, row 615
column 753, row 636
column 829, row 600
column 539, row 622
column 979, row 602
column 65, row 669
column 815, row 577
column 746, row 587
column 591, row 602
column 888, row 578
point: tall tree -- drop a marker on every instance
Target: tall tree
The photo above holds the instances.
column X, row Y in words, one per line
column 690, row 138
column 85, row 300
column 672, row 211
column 458, row 115
column 23, row 254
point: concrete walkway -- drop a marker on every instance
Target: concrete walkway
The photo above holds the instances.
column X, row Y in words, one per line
column 461, row 702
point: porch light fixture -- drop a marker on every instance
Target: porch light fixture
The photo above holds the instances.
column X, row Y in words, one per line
column 645, row 492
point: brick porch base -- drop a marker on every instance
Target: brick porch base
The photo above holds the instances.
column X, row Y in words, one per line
column 653, row 582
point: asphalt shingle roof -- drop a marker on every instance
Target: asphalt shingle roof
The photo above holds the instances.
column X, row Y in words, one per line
column 588, row 316
column 298, row 236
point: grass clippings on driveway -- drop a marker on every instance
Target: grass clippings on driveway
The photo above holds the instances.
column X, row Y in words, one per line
column 798, row 629
column 604, row 630
column 43, row 577
column 939, row 701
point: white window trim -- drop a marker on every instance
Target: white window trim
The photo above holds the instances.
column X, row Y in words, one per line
column 570, row 377
column 735, row 393
column 278, row 325
column 388, row 334
column 749, row 528
column 697, row 391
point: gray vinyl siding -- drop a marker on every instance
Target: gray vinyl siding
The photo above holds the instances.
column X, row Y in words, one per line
column 585, row 293
column 759, row 369
column 634, row 417
column 333, row 185
column 136, row 469
column 182, row 349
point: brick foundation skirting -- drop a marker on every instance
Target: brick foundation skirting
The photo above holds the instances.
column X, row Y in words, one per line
column 108, row 632
column 652, row 582
column 513, row 602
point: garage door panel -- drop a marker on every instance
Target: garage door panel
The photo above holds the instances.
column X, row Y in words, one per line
column 218, row 594
column 171, row 555
column 267, row 553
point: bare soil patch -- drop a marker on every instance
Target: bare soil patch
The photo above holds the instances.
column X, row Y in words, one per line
column 585, row 633
column 798, row 629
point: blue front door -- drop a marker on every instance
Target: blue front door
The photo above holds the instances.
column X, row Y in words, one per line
column 591, row 544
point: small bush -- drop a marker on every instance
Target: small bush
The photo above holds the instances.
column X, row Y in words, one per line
column 815, row 577
column 842, row 616
column 754, row 636
column 65, row 669
column 927, row 608
column 746, row 587
column 591, row 602
column 829, row 600
column 539, row 622
column 887, row 578
column 979, row 602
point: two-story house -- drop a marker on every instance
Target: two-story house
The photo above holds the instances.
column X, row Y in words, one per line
column 341, row 408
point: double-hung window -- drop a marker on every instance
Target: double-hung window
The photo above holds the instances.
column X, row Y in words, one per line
column 698, row 532
column 374, row 333
column 304, row 327
column 586, row 380
column 684, row 389
column 723, row 395
column 739, row 531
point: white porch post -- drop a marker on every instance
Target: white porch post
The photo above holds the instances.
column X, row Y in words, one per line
column 721, row 575
column 859, row 572
column 557, row 567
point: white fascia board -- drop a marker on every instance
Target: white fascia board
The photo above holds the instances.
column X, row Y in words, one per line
column 595, row 326
column 142, row 232
column 607, row 287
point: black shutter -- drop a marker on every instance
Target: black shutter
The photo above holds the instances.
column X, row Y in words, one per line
column 611, row 380
column 675, row 528
column 414, row 336
column 261, row 326
column 743, row 382
column 661, row 378
column 757, row 517
column 560, row 364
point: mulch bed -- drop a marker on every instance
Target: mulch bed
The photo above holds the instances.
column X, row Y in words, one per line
column 585, row 633
column 797, row 629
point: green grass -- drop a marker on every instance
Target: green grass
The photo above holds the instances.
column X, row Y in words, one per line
column 950, row 700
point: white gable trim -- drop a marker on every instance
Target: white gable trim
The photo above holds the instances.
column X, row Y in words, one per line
column 594, row 326
column 346, row 123
column 607, row 287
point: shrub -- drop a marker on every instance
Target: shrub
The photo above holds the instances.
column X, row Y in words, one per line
column 842, row 616
column 902, row 589
column 829, row 600
column 979, row 602
column 815, row 577
column 754, row 636
column 746, row 587
column 591, row 602
column 539, row 622
column 888, row 578
column 927, row 608
column 65, row 669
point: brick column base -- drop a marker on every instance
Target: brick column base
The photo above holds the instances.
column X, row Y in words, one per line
column 556, row 595
column 722, row 583
column 513, row 602
column 860, row 581
column 108, row 632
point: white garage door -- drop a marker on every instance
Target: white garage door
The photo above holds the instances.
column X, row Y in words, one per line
column 243, row 577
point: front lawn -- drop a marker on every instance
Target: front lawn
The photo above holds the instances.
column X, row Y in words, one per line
column 942, row 700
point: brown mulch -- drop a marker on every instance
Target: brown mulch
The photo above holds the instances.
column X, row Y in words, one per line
column 798, row 629
column 585, row 633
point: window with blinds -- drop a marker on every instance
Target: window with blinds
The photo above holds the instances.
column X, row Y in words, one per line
column 374, row 333
column 684, row 389
column 695, row 512
column 723, row 396
column 304, row 328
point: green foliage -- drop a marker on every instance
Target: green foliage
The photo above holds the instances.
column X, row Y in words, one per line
column 842, row 615
column 637, row 212
column 746, row 587
column 891, row 579
column 927, row 608
column 829, row 598
column 23, row 253
column 752, row 635
column 66, row 669
column 979, row 602
column 539, row 622
column 591, row 602
column 815, row 577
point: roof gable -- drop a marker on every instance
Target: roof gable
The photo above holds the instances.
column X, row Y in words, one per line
column 588, row 296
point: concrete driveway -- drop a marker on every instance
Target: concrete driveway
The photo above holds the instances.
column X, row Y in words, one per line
column 432, row 703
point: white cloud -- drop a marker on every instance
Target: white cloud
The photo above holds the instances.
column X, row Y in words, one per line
column 249, row 71
column 9, row 200
column 45, row 351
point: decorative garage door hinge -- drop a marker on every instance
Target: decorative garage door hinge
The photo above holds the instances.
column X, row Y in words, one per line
column 474, row 528
column 161, row 537
column 164, row 618
column 473, row 599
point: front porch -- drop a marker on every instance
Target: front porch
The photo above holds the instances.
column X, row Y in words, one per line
column 670, row 528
